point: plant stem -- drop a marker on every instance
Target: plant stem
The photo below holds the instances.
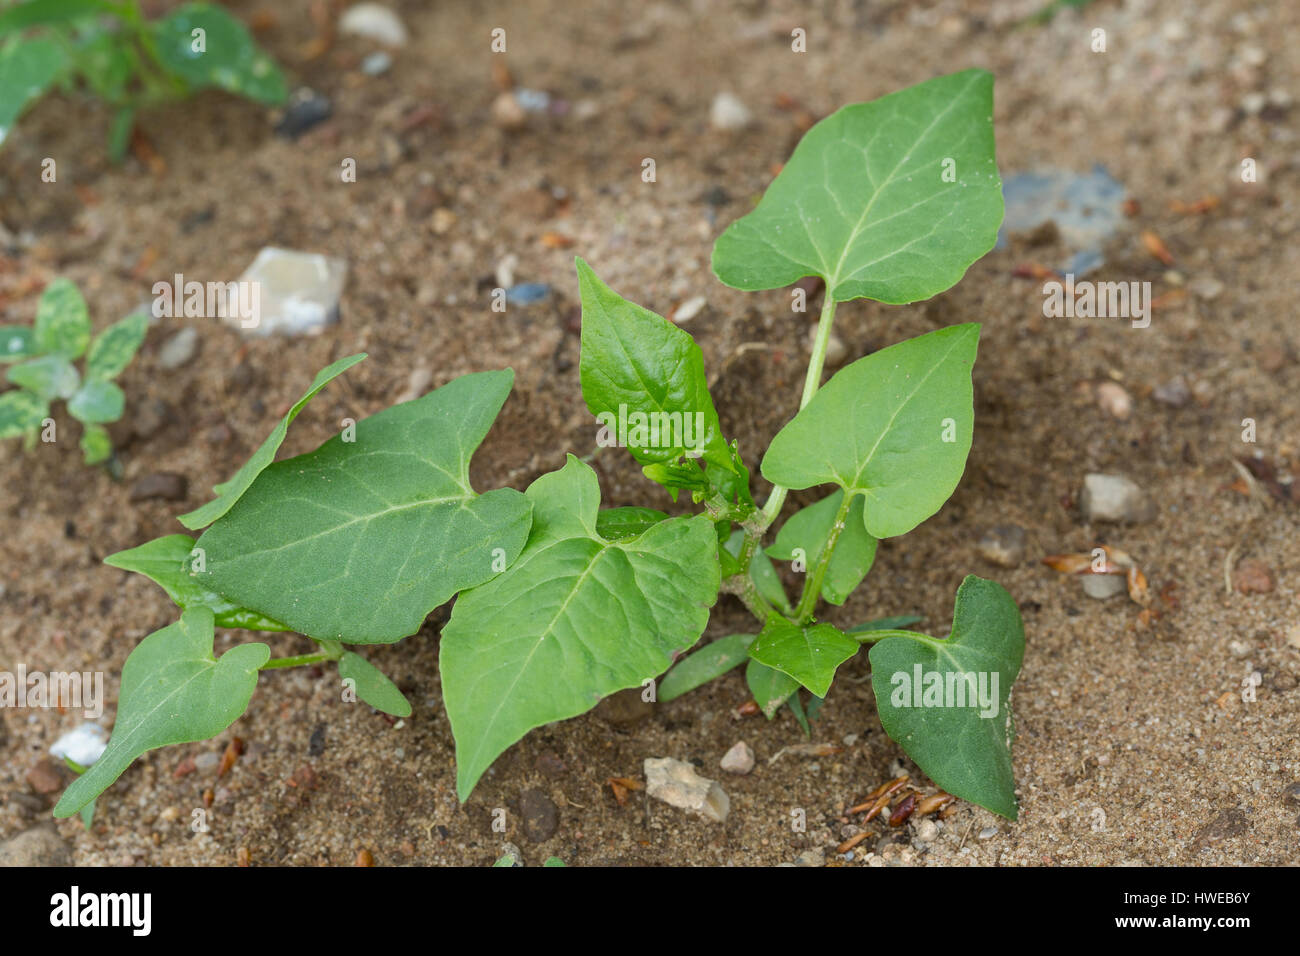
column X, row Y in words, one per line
column 812, row 585
column 333, row 651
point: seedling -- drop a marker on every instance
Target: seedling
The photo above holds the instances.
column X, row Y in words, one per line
column 44, row 371
column 562, row 603
column 109, row 48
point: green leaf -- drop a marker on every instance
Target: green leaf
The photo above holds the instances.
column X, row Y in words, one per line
column 359, row 540
column 229, row 492
column 96, row 445
column 97, row 402
column 106, row 63
column 574, row 620
column 554, row 861
column 112, row 350
column 894, row 426
column 708, row 663
column 864, row 202
column 27, row 68
column 961, row 742
column 770, row 687
column 810, row 654
column 20, row 413
column 764, row 575
column 886, row 624
column 62, row 321
column 614, row 523
column 808, row 530
column 166, row 562
column 49, row 377
column 119, row 134
column 223, row 56
column 33, row 13
column 643, row 378
column 372, row 686
column 17, row 342
column 174, row 691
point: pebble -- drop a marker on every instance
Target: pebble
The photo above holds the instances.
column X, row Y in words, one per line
column 676, row 783
column 306, row 109
column 1114, row 400
column 1103, row 586
column 45, row 777
column 739, row 759
column 149, row 417
column 417, row 383
column 207, row 761
column 927, row 831
column 1205, row 287
column 507, row 112
column 40, row 846
column 179, row 349
column 1174, row 393
column 728, row 112
column 533, row 101
column 505, row 270
column 512, row 851
column 689, row 309
column 443, row 220
column 814, row 857
column 528, row 293
column 988, row 833
column 374, row 21
column 1252, row 577
column 299, row 292
column 376, row 64
column 1253, row 103
column 1003, row 545
column 541, row 819
column 166, row 485
column 1114, row 498
column 83, row 745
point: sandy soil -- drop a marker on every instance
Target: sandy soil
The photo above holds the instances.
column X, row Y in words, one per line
column 1141, row 719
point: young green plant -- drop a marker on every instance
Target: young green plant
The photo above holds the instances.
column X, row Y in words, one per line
column 560, row 602
column 42, row 367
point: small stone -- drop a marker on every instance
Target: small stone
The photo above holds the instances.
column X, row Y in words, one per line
column 1238, row 648
column 40, row 846
column 1293, row 636
column 813, row 857
column 1114, row 400
column 149, row 417
column 508, row 113
column 533, row 101
column 1103, row 586
column 988, row 833
column 375, row 22
column 417, row 383
column 689, row 309
column 306, row 108
column 528, row 293
column 166, row 485
column 541, row 819
column 1252, row 577
column 1114, row 498
column 624, row 709
column 376, row 64
column 298, row 293
column 926, row 831
column 1253, row 103
column 1003, row 545
column 83, row 746
column 512, row 851
column 505, row 270
column 443, row 221
column 1205, row 287
column 739, row 759
column 45, row 777
column 179, row 349
column 676, row 783
column 728, row 112
column 1175, row 393
column 205, row 762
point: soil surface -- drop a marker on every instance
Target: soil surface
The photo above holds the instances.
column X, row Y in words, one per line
column 1136, row 713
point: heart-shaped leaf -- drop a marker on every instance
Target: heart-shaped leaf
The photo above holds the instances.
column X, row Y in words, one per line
column 113, row 349
column 889, row 200
column 359, row 540
column 808, row 529
column 771, row 688
column 174, row 691
column 643, row 378
column 709, row 662
column 372, row 686
column 220, row 55
column 21, row 412
column 62, row 320
column 574, row 620
column 166, row 562
column 97, row 402
column 946, row 702
column 810, row 654
column 228, row 492
column 894, row 427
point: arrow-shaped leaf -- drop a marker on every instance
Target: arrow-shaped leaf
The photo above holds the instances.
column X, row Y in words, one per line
column 946, row 703
column 810, row 654
column 575, row 619
column 372, row 686
column 174, row 691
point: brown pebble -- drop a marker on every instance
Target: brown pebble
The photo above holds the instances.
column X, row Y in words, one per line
column 1253, row 577
column 541, row 819
column 241, row 856
column 45, row 777
column 365, row 858
column 163, row 484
